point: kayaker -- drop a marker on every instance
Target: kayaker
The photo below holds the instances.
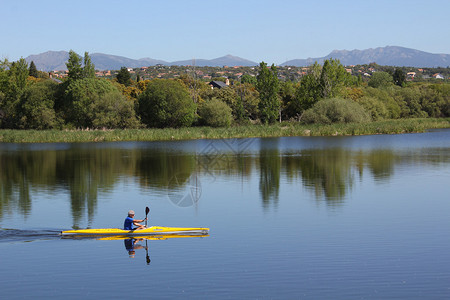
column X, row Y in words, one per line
column 130, row 221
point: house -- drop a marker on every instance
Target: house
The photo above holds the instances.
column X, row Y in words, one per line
column 438, row 76
column 218, row 84
column 410, row 75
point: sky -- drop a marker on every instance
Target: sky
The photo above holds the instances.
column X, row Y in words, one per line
column 262, row 30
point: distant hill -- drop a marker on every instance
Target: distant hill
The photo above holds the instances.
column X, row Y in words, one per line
column 56, row 60
column 386, row 56
column 227, row 60
column 50, row 60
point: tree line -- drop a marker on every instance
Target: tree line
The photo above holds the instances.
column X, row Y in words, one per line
column 326, row 94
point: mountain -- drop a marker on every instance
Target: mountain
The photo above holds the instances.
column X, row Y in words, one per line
column 56, row 60
column 114, row 62
column 386, row 56
column 227, row 60
column 50, row 60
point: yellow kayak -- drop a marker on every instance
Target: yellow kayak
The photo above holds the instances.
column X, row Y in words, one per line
column 151, row 237
column 154, row 230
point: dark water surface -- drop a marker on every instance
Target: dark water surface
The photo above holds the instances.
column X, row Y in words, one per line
column 291, row 218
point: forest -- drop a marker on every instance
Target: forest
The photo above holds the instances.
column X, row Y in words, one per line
column 326, row 94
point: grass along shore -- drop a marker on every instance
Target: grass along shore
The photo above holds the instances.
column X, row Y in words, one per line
column 189, row 133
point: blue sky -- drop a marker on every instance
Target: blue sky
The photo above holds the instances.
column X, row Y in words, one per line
column 270, row 31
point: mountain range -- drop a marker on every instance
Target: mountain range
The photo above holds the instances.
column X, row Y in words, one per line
column 385, row 56
column 389, row 55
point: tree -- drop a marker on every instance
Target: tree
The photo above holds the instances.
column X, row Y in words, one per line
column 74, row 66
column 81, row 98
column 246, row 78
column 267, row 85
column 287, row 95
column 33, row 70
column 124, row 77
column 36, row 106
column 399, row 77
column 380, row 80
column 89, row 67
column 113, row 110
column 166, row 103
column 308, row 92
column 13, row 83
column 332, row 78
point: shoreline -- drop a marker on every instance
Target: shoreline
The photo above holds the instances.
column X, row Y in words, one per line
column 397, row 126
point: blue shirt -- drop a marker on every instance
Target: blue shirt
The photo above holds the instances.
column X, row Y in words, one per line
column 128, row 224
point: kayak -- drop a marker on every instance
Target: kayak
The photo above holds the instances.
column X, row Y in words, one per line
column 145, row 237
column 154, row 230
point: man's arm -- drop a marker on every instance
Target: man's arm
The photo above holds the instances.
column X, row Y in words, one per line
column 138, row 221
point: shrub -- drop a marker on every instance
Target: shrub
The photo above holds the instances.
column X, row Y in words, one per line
column 374, row 107
column 215, row 113
column 335, row 110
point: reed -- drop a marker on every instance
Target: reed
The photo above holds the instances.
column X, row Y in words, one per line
column 188, row 133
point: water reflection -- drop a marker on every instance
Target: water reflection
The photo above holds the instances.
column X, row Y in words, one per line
column 269, row 171
column 326, row 172
column 132, row 244
column 83, row 171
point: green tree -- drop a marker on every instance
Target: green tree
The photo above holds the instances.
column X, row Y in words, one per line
column 166, row 103
column 399, row 77
column 13, row 83
column 36, row 106
column 333, row 78
column 81, row 98
column 124, row 77
column 308, row 92
column 33, row 70
column 287, row 95
column 267, row 85
column 89, row 67
column 113, row 110
column 380, row 80
column 246, row 78
column 74, row 66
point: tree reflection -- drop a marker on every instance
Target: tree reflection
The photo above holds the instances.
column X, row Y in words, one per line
column 327, row 172
column 270, row 171
column 84, row 171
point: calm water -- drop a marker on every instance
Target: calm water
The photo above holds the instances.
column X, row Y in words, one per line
column 291, row 218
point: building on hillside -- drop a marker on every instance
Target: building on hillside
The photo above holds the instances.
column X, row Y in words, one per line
column 410, row 75
column 438, row 76
column 219, row 84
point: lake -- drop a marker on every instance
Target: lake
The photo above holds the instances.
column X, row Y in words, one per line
column 358, row 217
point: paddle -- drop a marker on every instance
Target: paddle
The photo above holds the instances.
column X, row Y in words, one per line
column 147, row 210
column 146, row 252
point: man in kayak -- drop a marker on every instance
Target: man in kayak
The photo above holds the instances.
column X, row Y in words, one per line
column 130, row 221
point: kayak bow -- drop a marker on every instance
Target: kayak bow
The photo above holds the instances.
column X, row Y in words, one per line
column 154, row 230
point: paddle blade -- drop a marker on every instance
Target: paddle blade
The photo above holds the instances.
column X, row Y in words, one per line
column 147, row 210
